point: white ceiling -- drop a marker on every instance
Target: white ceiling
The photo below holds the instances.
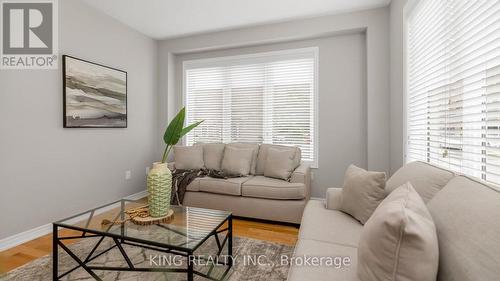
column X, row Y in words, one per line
column 161, row 19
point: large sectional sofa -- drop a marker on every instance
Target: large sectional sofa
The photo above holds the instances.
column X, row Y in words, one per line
column 254, row 195
column 466, row 213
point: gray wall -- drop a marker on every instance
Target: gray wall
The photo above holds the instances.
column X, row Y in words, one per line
column 397, row 122
column 342, row 96
column 47, row 172
column 354, row 82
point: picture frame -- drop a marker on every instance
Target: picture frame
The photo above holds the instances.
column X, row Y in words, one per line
column 94, row 95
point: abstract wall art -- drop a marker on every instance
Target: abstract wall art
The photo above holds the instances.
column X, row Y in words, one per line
column 95, row 96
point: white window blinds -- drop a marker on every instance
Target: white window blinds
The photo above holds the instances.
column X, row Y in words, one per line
column 263, row 98
column 453, row 103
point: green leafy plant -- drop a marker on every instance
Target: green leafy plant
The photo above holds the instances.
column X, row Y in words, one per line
column 175, row 132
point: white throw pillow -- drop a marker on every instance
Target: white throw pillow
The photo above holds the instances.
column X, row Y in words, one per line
column 399, row 241
column 237, row 161
column 362, row 192
column 188, row 157
column 279, row 163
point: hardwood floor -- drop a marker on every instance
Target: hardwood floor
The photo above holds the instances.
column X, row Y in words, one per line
column 273, row 232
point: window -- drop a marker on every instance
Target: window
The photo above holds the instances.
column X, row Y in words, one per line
column 264, row 98
column 453, row 101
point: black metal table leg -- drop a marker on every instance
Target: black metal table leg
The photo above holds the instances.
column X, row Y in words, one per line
column 230, row 240
column 55, row 255
column 122, row 218
column 190, row 269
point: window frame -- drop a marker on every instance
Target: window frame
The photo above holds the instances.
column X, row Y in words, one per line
column 407, row 10
column 285, row 54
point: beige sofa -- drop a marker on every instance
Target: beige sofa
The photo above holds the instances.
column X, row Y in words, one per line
column 254, row 196
column 466, row 213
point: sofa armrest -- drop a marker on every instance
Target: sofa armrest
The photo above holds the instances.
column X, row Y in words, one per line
column 302, row 174
column 333, row 198
column 171, row 166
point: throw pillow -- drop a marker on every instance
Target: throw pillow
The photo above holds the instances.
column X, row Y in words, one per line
column 212, row 154
column 362, row 192
column 399, row 241
column 255, row 152
column 262, row 156
column 188, row 157
column 279, row 163
column 237, row 161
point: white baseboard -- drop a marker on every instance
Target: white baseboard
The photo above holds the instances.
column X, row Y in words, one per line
column 317, row 198
column 34, row 233
column 137, row 196
column 25, row 236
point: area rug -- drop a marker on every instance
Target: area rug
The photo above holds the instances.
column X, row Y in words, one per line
column 254, row 260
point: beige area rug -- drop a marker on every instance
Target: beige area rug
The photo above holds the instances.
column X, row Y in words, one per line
column 254, row 260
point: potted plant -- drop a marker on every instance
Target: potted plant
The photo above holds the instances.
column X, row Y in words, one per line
column 159, row 179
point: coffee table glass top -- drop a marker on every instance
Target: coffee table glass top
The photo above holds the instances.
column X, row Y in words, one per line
column 188, row 228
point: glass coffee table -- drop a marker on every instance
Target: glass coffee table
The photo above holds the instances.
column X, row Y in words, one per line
column 185, row 233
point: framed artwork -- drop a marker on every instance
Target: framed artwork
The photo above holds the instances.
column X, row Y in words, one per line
column 94, row 95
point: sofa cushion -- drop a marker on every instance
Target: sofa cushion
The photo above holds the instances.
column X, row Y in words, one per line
column 321, row 224
column 250, row 207
column 279, row 163
column 306, row 248
column 255, row 152
column 425, row 178
column 230, row 186
column 399, row 241
column 262, row 156
column 362, row 192
column 467, row 217
column 188, row 157
column 212, row 154
column 237, row 161
column 263, row 187
column 194, row 185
